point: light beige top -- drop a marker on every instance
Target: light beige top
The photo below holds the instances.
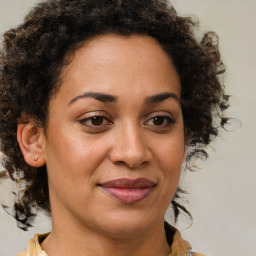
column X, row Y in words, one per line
column 179, row 246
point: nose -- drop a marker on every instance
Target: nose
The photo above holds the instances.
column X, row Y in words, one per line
column 130, row 148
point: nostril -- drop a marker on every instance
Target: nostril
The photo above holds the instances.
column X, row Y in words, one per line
column 132, row 165
column 121, row 163
column 131, row 152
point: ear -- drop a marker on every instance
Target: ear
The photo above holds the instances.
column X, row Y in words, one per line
column 31, row 140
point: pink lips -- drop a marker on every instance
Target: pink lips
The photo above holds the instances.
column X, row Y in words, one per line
column 127, row 190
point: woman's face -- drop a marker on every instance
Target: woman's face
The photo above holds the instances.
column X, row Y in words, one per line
column 115, row 139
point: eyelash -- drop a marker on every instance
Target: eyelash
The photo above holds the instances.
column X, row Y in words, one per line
column 93, row 126
column 167, row 122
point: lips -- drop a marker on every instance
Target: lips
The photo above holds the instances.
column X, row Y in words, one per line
column 127, row 190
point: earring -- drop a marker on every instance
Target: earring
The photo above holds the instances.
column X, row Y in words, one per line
column 36, row 158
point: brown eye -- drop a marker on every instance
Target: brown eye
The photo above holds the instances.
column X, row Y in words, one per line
column 158, row 121
column 97, row 120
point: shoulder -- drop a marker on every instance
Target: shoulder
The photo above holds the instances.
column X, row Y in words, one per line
column 178, row 245
column 33, row 246
column 21, row 254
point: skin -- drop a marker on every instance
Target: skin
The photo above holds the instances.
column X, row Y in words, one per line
column 126, row 142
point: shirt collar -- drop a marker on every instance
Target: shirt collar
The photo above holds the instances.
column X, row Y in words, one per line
column 179, row 247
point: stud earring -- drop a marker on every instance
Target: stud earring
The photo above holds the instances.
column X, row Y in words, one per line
column 36, row 158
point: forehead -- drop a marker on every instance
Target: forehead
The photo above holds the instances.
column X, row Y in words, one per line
column 114, row 63
column 115, row 47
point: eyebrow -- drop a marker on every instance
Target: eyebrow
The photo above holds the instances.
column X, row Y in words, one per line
column 104, row 97
column 161, row 97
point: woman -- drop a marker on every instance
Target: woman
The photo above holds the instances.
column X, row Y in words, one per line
column 101, row 103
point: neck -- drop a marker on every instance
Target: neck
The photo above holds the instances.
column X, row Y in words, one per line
column 76, row 240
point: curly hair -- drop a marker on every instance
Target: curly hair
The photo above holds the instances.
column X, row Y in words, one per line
column 33, row 55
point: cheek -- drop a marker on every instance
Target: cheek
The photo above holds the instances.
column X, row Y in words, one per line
column 171, row 151
column 72, row 164
column 170, row 156
column 74, row 161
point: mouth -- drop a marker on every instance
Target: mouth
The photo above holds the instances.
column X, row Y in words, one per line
column 127, row 190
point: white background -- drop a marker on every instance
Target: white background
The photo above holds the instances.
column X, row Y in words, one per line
column 222, row 193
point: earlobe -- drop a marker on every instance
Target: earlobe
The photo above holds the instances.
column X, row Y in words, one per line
column 32, row 143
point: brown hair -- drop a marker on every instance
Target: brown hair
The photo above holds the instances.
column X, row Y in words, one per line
column 33, row 55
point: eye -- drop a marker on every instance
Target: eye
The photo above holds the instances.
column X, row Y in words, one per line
column 160, row 121
column 95, row 122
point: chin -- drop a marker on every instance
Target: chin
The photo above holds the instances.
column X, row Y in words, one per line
column 129, row 225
